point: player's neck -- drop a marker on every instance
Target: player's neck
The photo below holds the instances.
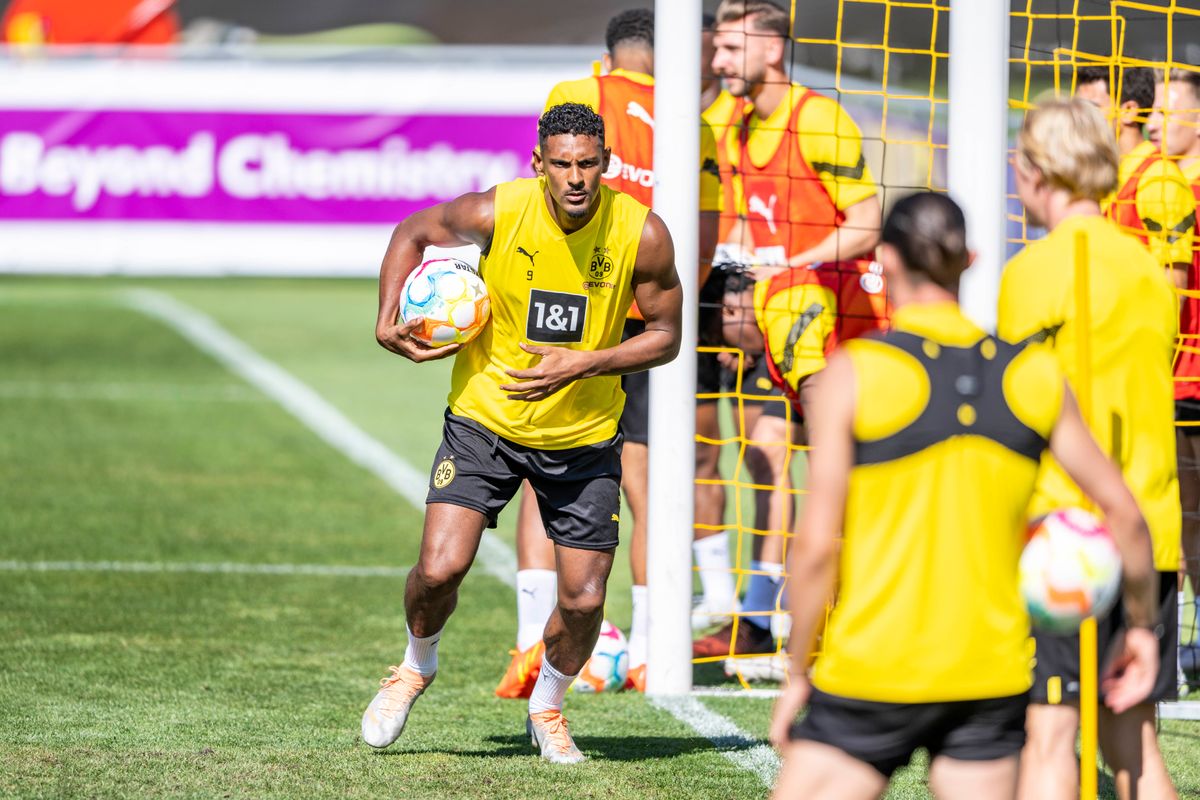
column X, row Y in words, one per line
column 710, row 90
column 906, row 293
column 1061, row 207
column 1188, row 159
column 565, row 221
column 634, row 59
column 770, row 93
column 1129, row 137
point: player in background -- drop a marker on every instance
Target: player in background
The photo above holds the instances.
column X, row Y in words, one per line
column 624, row 97
column 1066, row 163
column 1174, row 127
column 808, row 199
column 710, row 548
column 926, row 442
column 1153, row 200
column 536, row 396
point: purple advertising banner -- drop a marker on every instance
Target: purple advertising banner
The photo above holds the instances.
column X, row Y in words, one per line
column 249, row 167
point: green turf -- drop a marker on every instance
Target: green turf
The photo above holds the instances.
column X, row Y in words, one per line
column 120, row 441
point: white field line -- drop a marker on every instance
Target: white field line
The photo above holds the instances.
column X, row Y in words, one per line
column 224, row 567
column 741, row 749
column 310, row 408
column 734, row 691
column 331, row 425
column 170, row 392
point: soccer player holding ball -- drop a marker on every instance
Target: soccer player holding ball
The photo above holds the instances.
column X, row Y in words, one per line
column 1066, row 163
column 926, row 443
column 536, row 396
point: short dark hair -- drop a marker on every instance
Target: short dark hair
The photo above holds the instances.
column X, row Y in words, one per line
column 929, row 232
column 1137, row 83
column 573, row 119
column 767, row 16
column 726, row 277
column 1190, row 76
column 636, row 25
column 707, row 22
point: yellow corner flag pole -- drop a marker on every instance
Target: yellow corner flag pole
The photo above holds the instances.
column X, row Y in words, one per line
column 1088, row 722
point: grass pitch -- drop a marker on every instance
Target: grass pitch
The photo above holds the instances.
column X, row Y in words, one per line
column 123, row 443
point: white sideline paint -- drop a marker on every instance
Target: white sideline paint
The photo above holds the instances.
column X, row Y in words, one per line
column 223, row 567
column 496, row 558
column 310, row 408
column 743, row 750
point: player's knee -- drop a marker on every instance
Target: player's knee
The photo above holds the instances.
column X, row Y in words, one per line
column 582, row 604
column 439, row 574
column 1049, row 740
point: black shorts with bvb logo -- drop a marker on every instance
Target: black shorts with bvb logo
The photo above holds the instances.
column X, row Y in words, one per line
column 577, row 489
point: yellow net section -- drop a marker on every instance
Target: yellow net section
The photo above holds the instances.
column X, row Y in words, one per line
column 1131, row 59
column 884, row 63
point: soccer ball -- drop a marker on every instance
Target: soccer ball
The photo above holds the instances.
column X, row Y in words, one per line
column 605, row 671
column 1070, row 570
column 451, row 299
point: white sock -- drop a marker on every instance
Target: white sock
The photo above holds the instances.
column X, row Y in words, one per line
column 639, row 629
column 716, row 574
column 537, row 594
column 421, row 653
column 550, row 689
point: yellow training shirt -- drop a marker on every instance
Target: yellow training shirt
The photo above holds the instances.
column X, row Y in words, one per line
column 1131, row 341
column 1164, row 208
column 830, row 143
column 587, row 92
column 948, row 427
column 551, row 288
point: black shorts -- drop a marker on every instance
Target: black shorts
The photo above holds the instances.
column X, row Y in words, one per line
column 578, row 489
column 1056, row 669
column 635, row 419
column 759, row 390
column 708, row 376
column 1188, row 410
column 885, row 735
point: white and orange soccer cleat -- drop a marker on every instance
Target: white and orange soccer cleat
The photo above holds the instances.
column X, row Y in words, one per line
column 522, row 671
column 549, row 735
column 636, row 679
column 384, row 719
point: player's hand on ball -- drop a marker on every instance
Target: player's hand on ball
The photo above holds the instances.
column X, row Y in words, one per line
column 397, row 338
column 558, row 367
column 789, row 705
column 1129, row 680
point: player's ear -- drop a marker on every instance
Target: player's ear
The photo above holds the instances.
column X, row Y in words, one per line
column 604, row 160
column 606, row 63
column 971, row 254
column 1128, row 112
column 535, row 162
column 775, row 50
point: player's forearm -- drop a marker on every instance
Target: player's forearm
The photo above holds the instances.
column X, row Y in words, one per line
column 1139, row 580
column 812, row 571
column 402, row 257
column 840, row 245
column 653, row 347
column 856, row 237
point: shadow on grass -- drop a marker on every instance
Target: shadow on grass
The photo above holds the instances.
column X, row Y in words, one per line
column 607, row 748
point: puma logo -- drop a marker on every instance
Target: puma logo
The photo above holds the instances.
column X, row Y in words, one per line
column 636, row 111
column 530, row 592
column 528, row 255
column 766, row 211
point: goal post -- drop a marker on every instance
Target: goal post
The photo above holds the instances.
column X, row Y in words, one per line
column 672, row 408
column 977, row 138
